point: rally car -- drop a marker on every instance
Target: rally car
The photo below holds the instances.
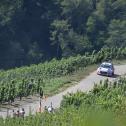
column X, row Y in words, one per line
column 106, row 68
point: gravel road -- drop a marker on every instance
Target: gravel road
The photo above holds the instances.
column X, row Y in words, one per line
column 84, row 85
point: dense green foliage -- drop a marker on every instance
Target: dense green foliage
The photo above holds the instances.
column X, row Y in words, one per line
column 27, row 81
column 104, row 105
column 69, row 117
column 108, row 95
column 32, row 31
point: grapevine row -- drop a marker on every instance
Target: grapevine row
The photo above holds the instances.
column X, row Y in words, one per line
column 24, row 81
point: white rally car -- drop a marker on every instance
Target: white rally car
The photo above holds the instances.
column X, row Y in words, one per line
column 106, row 68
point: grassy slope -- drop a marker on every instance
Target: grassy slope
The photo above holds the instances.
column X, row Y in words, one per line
column 51, row 76
column 57, row 85
column 72, row 79
column 86, row 114
column 54, row 87
column 70, row 117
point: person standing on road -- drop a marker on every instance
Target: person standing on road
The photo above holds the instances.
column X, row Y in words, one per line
column 50, row 108
column 22, row 112
column 14, row 114
column 18, row 113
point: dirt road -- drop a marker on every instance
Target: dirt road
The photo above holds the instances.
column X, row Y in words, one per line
column 84, row 85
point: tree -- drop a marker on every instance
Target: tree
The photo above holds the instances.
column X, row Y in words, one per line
column 75, row 44
column 76, row 12
column 119, row 9
column 34, row 54
column 8, row 9
column 117, row 33
column 60, row 30
column 32, row 31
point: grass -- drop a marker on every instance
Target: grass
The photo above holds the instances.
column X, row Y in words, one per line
column 56, row 85
column 119, row 62
column 106, row 108
column 70, row 117
column 69, row 80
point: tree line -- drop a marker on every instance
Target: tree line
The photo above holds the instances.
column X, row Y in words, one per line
column 33, row 31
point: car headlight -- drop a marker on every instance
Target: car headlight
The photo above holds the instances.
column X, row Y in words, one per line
column 98, row 70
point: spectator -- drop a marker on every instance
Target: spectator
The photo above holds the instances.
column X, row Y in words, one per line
column 45, row 108
column 17, row 114
column 49, row 109
column 14, row 114
column 22, row 112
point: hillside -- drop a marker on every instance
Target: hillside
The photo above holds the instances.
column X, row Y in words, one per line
column 49, row 76
column 103, row 105
column 49, row 51
column 34, row 31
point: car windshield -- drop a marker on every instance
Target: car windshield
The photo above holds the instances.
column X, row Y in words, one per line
column 106, row 66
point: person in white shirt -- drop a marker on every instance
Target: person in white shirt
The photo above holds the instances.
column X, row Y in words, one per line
column 22, row 112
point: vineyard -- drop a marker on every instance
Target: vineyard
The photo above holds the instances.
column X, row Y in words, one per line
column 107, row 95
column 25, row 81
column 104, row 105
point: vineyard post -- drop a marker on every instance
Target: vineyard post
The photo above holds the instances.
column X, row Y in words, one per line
column 30, row 110
column 7, row 112
column 40, row 104
column 41, row 95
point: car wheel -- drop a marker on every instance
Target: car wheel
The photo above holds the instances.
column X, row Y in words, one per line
column 112, row 73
